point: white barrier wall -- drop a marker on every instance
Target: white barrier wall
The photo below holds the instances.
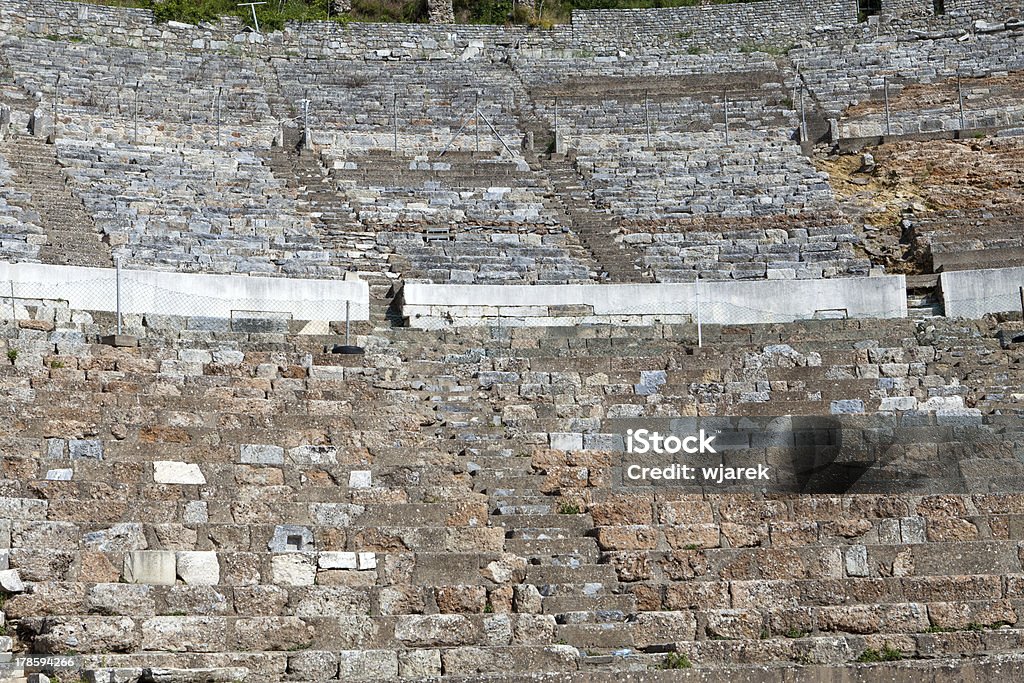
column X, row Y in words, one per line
column 974, row 293
column 186, row 294
column 716, row 302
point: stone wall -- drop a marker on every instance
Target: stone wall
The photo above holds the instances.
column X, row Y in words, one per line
column 429, row 305
column 160, row 293
column 765, row 22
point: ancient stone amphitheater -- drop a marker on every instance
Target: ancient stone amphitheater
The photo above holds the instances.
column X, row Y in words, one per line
column 323, row 346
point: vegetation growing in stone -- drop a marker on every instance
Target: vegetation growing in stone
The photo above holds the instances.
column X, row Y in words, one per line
column 886, row 654
column 274, row 15
column 676, row 660
column 567, row 508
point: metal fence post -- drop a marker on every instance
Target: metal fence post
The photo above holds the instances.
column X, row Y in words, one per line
column 960, row 97
column 700, row 331
column 135, row 114
column 888, row 119
column 305, row 124
column 647, row 116
column 476, row 122
column 727, row 119
column 395, row 116
column 220, row 90
column 348, row 321
column 1021, row 299
column 117, row 268
column 14, row 309
column 804, row 137
column 56, row 96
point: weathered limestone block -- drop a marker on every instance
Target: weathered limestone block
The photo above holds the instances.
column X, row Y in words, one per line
column 533, row 629
column 169, row 472
column 623, row 511
column 272, row 633
column 291, row 538
column 461, row 599
column 261, row 454
column 294, row 569
column 198, row 568
column 734, row 623
column 88, row 635
column 419, row 663
column 10, row 581
column 113, row 599
column 313, row 455
column 313, row 665
column 437, row 630
column 184, row 634
column 653, row 628
column 627, row 537
column 197, row 600
column 508, row 568
column 157, row 567
column 367, row 665
column 862, row 619
column 337, row 560
column 527, row 599
column 329, row 601
column 689, row 535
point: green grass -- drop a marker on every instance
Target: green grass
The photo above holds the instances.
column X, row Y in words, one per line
column 887, row 654
column 276, row 13
column 567, row 508
column 676, row 660
column 12, row 355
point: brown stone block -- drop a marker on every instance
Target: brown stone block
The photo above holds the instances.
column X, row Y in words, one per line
column 743, row 535
column 698, row 595
column 272, row 633
column 48, row 598
column 686, row 511
column 648, row 596
column 749, row 510
column 941, row 529
column 622, row 511
column 692, row 536
column 737, row 624
column 791, row 534
column 461, row 599
column 627, row 538
column 632, row 566
column 96, row 567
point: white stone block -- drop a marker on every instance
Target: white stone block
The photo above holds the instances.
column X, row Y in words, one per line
column 294, row 569
column 60, row 475
column 898, row 403
column 10, row 581
column 337, row 560
column 360, row 479
column 196, row 512
column 199, row 568
column 172, row 472
column 155, row 567
column 566, row 441
column 367, row 561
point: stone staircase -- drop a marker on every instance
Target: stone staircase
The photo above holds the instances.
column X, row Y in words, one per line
column 595, row 229
column 451, row 503
column 72, row 237
column 351, row 249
